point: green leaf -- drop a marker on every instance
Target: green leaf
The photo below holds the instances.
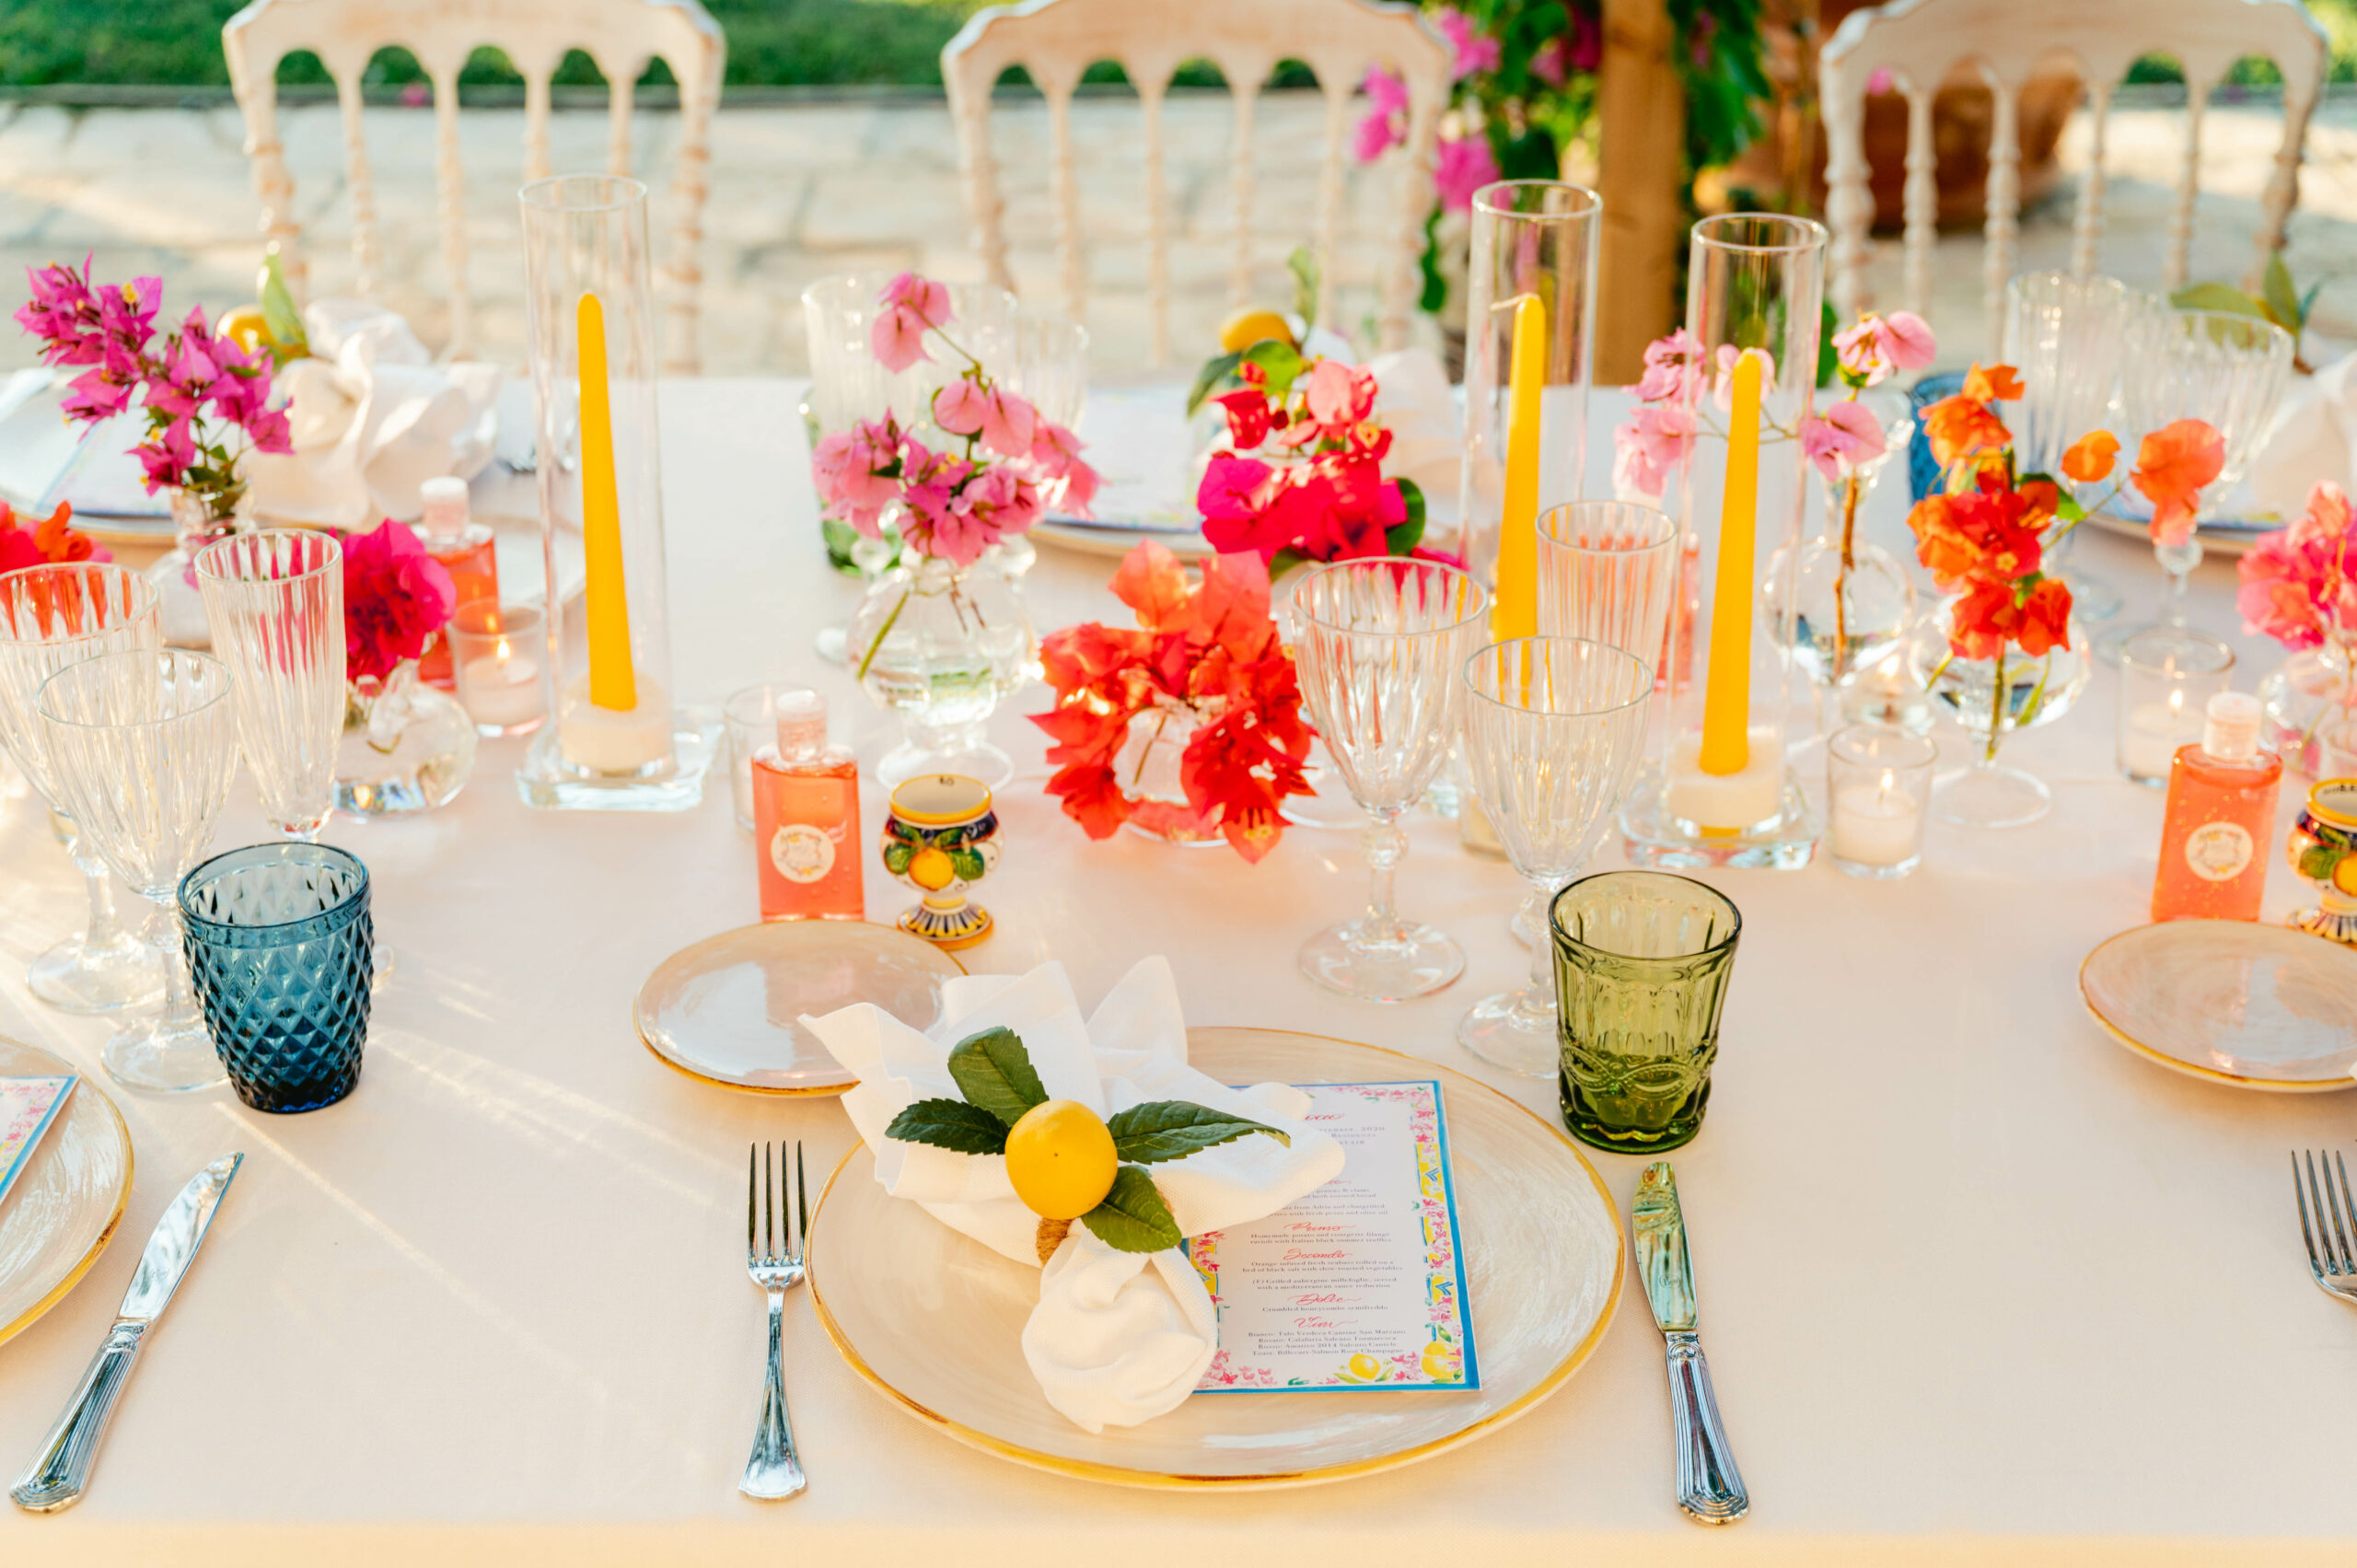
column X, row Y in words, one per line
column 2316, row 862
column 2068, row 509
column 1209, row 378
column 1303, row 265
column 2217, row 297
column 1134, row 1218
column 897, row 855
column 278, row 313
column 949, row 1125
column 1408, row 535
column 1827, row 324
column 968, row 863
column 1282, row 361
column 1173, row 1129
column 2309, row 300
column 994, row 1072
column 2282, row 299
column 1435, row 291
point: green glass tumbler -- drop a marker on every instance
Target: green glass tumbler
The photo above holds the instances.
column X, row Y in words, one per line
column 1642, row 964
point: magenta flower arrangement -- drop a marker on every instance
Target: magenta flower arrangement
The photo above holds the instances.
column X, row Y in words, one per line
column 2299, row 583
column 395, row 598
column 1012, row 465
column 207, row 400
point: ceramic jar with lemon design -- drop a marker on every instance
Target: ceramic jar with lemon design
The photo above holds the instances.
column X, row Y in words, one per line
column 2323, row 850
column 940, row 837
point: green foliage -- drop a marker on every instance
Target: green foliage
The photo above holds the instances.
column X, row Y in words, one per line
column 1173, row 1129
column 949, row 1125
column 994, row 1072
column 2278, row 300
column 1410, row 534
column 288, row 340
column 1134, row 1218
column 1303, row 264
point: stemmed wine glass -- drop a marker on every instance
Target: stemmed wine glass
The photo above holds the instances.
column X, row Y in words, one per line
column 1379, row 647
column 2066, row 336
column 52, row 616
column 1554, row 728
column 2216, row 365
column 144, row 745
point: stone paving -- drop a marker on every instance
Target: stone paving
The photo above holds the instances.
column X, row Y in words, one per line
column 809, row 190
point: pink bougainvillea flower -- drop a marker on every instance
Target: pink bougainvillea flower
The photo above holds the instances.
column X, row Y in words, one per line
column 1673, row 367
column 1462, row 166
column 1004, row 421
column 1655, row 439
column 1881, row 346
column 2173, row 465
column 1842, row 438
column 1551, row 63
column 1473, row 50
column 856, row 472
column 911, row 304
column 1723, row 387
column 2299, row 583
column 1248, row 417
column 1377, row 134
column 395, row 598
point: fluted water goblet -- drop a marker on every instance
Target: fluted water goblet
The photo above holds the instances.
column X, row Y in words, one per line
column 1379, row 644
column 1554, row 728
column 2066, row 337
column 144, row 744
column 275, row 601
column 51, row 616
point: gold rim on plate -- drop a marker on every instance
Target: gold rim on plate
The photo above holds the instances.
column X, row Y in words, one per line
column 82, row 1265
column 816, row 1091
column 2160, row 1058
column 1087, row 1470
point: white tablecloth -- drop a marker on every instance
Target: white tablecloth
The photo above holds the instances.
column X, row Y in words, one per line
column 1975, row 1281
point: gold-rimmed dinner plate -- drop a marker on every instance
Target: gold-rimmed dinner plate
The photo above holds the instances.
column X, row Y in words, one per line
column 2230, row 1002
column 933, row 1319
column 727, row 1009
column 63, row 1208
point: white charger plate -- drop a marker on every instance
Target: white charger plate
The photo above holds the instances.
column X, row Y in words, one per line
column 933, row 1319
column 2230, row 1002
column 65, row 1206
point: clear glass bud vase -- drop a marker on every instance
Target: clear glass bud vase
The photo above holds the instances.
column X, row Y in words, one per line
column 1848, row 602
column 406, row 746
column 1992, row 698
column 942, row 646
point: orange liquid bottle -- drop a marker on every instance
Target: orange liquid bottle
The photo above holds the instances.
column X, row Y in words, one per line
column 2220, row 817
column 464, row 547
column 806, row 818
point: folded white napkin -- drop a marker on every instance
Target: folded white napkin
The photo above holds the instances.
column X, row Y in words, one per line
column 374, row 418
column 1118, row 1338
column 1413, row 397
column 2315, row 436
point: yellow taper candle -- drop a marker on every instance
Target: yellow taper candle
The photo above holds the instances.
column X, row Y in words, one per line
column 1515, row 612
column 1726, row 696
column 612, row 683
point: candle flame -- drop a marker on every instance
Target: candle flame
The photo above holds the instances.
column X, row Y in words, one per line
column 502, row 651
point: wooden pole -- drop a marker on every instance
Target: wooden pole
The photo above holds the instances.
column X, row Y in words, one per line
column 1642, row 110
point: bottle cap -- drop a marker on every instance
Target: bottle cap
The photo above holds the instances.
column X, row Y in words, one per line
column 2231, row 730
column 801, row 724
column 445, row 506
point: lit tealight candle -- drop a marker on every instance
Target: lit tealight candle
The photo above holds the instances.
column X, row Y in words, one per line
column 1876, row 824
column 2151, row 735
column 502, row 687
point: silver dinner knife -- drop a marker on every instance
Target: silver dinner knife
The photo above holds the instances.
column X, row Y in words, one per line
column 1710, row 1488
column 58, row 1472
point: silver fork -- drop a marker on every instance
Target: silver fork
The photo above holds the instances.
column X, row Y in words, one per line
column 775, row 1469
column 2332, row 1260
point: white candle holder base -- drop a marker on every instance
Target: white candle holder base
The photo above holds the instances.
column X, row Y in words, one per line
column 1652, row 835
column 547, row 780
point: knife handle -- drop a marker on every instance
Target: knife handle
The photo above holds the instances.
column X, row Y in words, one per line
column 1710, row 1488
column 58, row 1472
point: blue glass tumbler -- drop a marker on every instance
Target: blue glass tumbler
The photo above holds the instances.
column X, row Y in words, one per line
column 1922, row 469
column 281, row 948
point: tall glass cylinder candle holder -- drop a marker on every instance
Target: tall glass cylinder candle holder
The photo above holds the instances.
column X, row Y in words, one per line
column 617, row 743
column 1529, row 332
column 1719, row 790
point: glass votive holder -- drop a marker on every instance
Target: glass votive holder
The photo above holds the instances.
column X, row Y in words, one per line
column 497, row 651
column 2168, row 676
column 1877, row 796
column 751, row 716
column 281, row 950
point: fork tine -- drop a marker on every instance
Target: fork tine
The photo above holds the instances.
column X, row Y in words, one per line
column 768, row 1206
column 753, row 1205
column 2319, row 1193
column 802, row 1202
column 2300, row 1191
column 2347, row 1204
column 2333, row 1201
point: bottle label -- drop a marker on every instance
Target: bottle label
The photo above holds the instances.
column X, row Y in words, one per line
column 802, row 853
column 2217, row 852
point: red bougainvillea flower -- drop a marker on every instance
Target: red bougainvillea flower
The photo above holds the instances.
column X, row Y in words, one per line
column 1989, row 532
column 45, row 541
column 2090, row 457
column 1207, row 651
column 2172, row 465
column 395, row 598
column 1994, row 613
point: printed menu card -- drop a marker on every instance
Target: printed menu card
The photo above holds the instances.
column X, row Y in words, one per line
column 1360, row 1283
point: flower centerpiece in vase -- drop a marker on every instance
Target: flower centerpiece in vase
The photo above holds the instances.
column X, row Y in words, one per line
column 2004, row 654
column 2299, row 586
column 407, row 745
column 206, row 402
column 1188, row 728
column 934, row 639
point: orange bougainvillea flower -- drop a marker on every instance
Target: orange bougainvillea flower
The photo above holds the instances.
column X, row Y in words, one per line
column 2089, row 458
column 1960, row 427
column 2172, row 465
column 1992, row 384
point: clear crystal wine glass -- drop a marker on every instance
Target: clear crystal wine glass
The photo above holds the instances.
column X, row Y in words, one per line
column 1380, row 646
column 144, row 745
column 275, row 600
column 1554, row 728
column 2066, row 336
column 52, row 616
column 2227, row 369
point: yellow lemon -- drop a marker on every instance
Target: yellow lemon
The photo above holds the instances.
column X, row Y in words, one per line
column 1440, row 1364
column 1246, row 327
column 1060, row 1160
column 932, row 869
column 2344, row 874
column 246, row 325
column 1366, row 1367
